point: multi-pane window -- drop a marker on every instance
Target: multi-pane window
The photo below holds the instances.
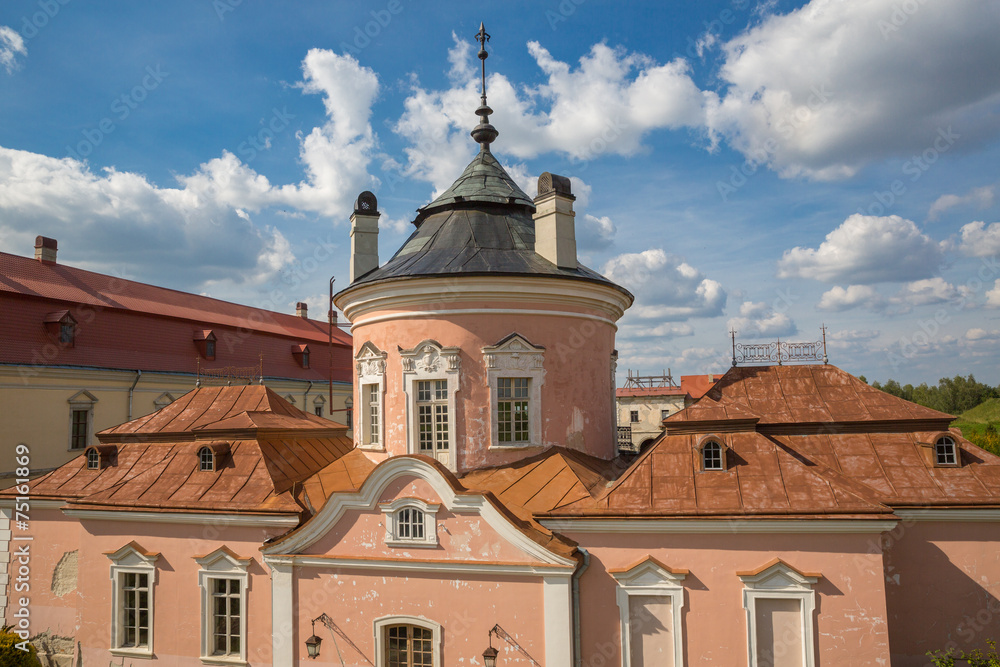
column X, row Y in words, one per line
column 134, row 613
column 512, row 410
column 207, row 459
column 80, row 427
column 210, row 349
column 226, row 614
column 944, row 451
column 409, row 646
column 432, row 415
column 371, row 393
column 664, row 414
column 67, row 331
column 318, row 409
column 409, row 524
column 634, row 416
column 711, row 456
column 93, row 459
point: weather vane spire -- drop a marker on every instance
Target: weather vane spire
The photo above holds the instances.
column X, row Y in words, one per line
column 484, row 133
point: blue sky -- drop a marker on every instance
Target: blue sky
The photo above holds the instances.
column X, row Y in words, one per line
column 763, row 166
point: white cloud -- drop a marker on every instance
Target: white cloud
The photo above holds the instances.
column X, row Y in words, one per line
column 665, row 286
column 978, row 342
column 119, row 222
column 928, row 292
column 865, row 250
column 606, row 104
column 979, row 240
column 664, row 330
column 981, row 197
column 838, row 299
column 11, row 46
column 993, row 296
column 759, row 319
column 824, row 89
column 594, row 233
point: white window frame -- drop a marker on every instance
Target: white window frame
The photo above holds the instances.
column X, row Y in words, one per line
column 211, row 459
column 222, row 564
column 430, row 361
column 954, row 463
column 650, row 578
column 370, row 364
column 319, row 402
column 131, row 559
column 84, row 401
column 723, row 453
column 380, row 625
column 780, row 581
column 515, row 357
column 391, row 512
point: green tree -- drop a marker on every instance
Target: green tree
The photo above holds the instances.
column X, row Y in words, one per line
column 10, row 655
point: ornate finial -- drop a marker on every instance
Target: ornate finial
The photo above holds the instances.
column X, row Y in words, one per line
column 484, row 133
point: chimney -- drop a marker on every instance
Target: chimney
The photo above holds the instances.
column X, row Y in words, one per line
column 302, row 310
column 45, row 249
column 555, row 231
column 364, row 235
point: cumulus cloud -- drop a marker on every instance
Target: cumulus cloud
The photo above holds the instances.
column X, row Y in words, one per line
column 122, row 221
column 980, row 240
column 666, row 287
column 11, row 46
column 759, row 319
column 826, row 88
column 604, row 104
column 980, row 197
column 865, row 250
column 839, row 299
column 993, row 296
column 665, row 330
column 594, row 233
column 978, row 342
column 200, row 235
column 928, row 292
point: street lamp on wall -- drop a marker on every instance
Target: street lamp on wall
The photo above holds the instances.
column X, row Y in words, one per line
column 312, row 644
column 490, row 654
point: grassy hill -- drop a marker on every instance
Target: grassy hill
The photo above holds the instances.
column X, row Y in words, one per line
column 975, row 422
column 984, row 413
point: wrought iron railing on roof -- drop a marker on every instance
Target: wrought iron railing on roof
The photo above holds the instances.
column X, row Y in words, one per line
column 779, row 352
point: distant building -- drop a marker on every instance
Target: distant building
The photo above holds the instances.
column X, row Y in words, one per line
column 83, row 351
column 646, row 400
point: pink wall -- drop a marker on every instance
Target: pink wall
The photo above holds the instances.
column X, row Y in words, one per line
column 86, row 613
column 850, row 599
column 943, row 588
column 577, row 396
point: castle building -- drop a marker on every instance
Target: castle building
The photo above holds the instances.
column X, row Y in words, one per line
column 83, row 351
column 792, row 516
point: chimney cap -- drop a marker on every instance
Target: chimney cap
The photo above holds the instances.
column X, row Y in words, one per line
column 301, row 305
column 366, row 204
column 46, row 242
column 548, row 182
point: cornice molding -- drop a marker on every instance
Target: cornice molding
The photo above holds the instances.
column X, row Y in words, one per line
column 199, row 518
column 723, row 526
column 411, row 565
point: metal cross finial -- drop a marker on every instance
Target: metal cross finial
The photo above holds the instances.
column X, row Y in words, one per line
column 484, row 133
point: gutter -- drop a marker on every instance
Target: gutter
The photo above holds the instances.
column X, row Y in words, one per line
column 138, row 374
column 577, row 640
column 305, row 405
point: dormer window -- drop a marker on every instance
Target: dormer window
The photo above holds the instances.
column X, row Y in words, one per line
column 99, row 457
column 301, row 354
column 945, row 452
column 93, row 459
column 711, row 456
column 206, row 458
column 61, row 326
column 410, row 522
column 205, row 341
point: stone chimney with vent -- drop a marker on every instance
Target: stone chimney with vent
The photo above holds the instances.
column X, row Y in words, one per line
column 45, row 249
column 364, row 235
column 555, row 227
column 302, row 310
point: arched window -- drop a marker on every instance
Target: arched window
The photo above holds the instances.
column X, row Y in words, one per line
column 410, row 524
column 407, row 641
column 945, row 453
column 207, row 459
column 711, row 456
column 93, row 459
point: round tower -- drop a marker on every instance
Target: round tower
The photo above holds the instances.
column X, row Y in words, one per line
column 482, row 340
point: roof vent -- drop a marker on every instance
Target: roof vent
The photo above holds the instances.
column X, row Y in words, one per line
column 555, row 229
column 45, row 249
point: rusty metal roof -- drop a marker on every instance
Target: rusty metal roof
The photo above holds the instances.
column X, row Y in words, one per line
column 265, row 449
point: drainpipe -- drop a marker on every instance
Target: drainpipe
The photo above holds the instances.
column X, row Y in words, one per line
column 577, row 650
column 305, row 405
column 138, row 374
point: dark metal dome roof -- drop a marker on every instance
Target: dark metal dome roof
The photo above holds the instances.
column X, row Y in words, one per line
column 484, row 180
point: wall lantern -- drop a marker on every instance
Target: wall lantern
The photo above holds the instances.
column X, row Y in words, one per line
column 490, row 654
column 312, row 644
